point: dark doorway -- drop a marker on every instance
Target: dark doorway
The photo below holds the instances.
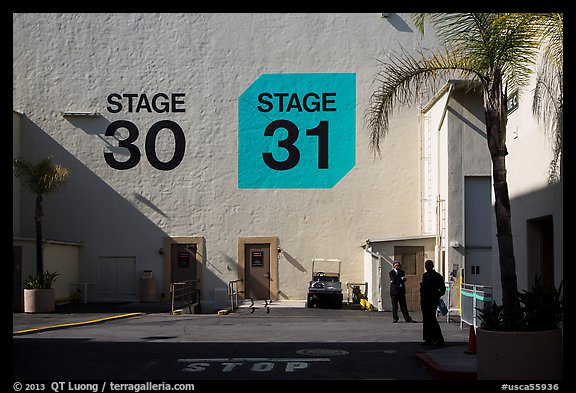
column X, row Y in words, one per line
column 540, row 232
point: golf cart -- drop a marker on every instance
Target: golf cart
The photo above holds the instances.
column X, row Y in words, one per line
column 325, row 288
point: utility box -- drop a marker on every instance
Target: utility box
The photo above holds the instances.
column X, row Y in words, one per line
column 147, row 287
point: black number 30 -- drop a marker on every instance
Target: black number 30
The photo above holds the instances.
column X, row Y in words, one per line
column 150, row 145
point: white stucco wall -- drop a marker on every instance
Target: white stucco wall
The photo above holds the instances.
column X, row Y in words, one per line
column 72, row 62
column 530, row 148
column 468, row 154
column 454, row 146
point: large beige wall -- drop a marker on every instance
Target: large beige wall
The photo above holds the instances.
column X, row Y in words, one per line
column 72, row 62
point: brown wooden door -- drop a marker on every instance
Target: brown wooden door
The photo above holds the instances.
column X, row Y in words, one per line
column 412, row 259
column 257, row 257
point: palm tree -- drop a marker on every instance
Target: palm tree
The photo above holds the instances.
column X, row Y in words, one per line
column 498, row 51
column 42, row 177
column 548, row 99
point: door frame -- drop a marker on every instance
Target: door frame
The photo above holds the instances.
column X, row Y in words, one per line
column 273, row 242
column 167, row 262
column 413, row 280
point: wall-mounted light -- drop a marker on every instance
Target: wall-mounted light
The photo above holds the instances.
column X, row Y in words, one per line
column 161, row 251
column 279, row 250
column 454, row 244
column 80, row 113
column 385, row 14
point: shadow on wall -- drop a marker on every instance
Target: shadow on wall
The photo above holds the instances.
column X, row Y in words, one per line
column 398, row 23
column 91, row 212
column 293, row 261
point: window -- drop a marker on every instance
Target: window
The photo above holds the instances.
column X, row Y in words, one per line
column 512, row 102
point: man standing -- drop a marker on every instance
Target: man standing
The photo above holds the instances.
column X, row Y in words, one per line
column 431, row 290
column 398, row 292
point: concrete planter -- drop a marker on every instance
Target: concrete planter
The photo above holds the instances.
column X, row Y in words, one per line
column 39, row 300
column 519, row 355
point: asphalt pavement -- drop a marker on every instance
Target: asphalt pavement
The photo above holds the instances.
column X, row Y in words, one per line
column 277, row 341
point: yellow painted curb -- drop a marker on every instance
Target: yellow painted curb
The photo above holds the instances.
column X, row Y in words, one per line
column 65, row 325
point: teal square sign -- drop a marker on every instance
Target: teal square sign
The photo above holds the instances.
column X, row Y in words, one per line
column 297, row 130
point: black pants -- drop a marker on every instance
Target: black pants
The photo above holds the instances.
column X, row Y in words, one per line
column 431, row 331
column 400, row 299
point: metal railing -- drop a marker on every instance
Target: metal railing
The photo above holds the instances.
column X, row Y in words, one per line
column 472, row 298
column 184, row 294
column 233, row 293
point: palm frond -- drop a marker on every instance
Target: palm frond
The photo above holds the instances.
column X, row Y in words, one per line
column 548, row 96
column 40, row 177
column 404, row 77
column 551, row 29
column 505, row 41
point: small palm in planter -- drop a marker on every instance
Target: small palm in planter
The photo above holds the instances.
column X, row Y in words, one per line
column 532, row 347
column 38, row 292
column 491, row 316
column 543, row 307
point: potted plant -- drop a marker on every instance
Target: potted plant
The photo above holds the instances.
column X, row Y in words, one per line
column 39, row 293
column 533, row 348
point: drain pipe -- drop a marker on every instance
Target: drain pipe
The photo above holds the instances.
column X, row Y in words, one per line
column 438, row 251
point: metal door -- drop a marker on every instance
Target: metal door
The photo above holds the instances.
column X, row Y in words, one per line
column 116, row 279
column 257, row 257
column 478, row 214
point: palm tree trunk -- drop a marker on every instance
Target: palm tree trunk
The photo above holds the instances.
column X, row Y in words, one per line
column 496, row 119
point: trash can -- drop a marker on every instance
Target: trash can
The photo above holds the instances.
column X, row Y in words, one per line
column 147, row 287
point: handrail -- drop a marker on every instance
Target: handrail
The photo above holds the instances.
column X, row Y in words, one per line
column 183, row 294
column 473, row 297
column 233, row 293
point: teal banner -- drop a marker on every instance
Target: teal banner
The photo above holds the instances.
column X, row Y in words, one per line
column 297, row 130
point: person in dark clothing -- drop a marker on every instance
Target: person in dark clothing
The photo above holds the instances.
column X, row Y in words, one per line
column 398, row 292
column 431, row 289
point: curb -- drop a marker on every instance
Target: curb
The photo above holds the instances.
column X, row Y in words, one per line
column 438, row 372
column 73, row 324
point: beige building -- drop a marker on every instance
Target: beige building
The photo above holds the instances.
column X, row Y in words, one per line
column 149, row 111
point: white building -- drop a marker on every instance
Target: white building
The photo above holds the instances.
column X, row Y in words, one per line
column 455, row 199
column 152, row 114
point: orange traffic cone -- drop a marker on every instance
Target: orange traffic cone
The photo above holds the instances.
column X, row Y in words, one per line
column 471, row 341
